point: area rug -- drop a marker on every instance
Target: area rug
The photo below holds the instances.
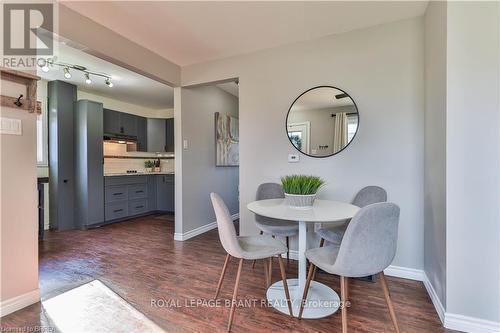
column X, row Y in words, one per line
column 94, row 308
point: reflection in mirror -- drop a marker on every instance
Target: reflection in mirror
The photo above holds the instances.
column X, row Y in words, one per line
column 322, row 121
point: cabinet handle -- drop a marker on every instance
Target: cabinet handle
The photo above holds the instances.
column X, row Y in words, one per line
column 117, row 210
column 139, row 206
column 140, row 191
column 118, row 193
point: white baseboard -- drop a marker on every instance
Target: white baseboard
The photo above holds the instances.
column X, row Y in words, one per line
column 405, row 273
column 200, row 230
column 17, row 303
column 434, row 298
column 470, row 324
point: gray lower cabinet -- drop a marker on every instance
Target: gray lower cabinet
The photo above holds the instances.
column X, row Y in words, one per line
column 165, row 193
column 129, row 196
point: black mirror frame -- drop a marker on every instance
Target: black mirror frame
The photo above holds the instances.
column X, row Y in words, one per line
column 305, row 92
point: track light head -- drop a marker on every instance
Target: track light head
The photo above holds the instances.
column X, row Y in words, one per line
column 67, row 74
column 87, row 79
column 108, row 82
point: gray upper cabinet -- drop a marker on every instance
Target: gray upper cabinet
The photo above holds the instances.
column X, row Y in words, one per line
column 157, row 137
column 111, row 121
column 170, row 135
column 89, row 178
column 120, row 123
column 128, row 124
column 142, row 134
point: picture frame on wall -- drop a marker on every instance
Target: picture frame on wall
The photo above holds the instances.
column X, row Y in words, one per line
column 226, row 140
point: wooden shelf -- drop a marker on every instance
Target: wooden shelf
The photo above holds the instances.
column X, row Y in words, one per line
column 29, row 102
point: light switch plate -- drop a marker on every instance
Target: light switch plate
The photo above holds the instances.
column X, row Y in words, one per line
column 185, row 144
column 11, row 126
column 293, row 158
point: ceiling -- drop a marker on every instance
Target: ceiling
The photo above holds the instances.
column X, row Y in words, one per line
column 128, row 86
column 187, row 32
column 321, row 98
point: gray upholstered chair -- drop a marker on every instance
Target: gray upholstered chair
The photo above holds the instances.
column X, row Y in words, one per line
column 245, row 247
column 367, row 248
column 272, row 226
column 366, row 196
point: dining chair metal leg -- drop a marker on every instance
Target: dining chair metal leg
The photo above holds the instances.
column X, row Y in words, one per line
column 287, row 250
column 343, row 303
column 312, row 268
column 321, row 242
column 235, row 293
column 389, row 301
column 219, row 285
column 285, row 284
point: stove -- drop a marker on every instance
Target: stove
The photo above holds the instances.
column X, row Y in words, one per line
column 131, row 171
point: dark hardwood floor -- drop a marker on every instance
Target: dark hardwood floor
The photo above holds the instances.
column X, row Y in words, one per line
column 140, row 261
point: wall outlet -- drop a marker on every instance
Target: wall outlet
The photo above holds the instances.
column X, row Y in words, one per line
column 293, row 158
column 11, row 126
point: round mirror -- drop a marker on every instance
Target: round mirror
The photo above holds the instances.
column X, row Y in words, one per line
column 322, row 121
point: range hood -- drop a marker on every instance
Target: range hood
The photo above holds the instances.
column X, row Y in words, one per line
column 119, row 138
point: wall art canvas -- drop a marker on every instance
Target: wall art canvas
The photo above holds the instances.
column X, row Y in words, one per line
column 227, row 152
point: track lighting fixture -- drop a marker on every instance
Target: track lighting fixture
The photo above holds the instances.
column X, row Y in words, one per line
column 44, row 66
column 67, row 74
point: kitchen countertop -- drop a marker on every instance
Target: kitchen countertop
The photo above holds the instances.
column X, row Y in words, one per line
column 138, row 173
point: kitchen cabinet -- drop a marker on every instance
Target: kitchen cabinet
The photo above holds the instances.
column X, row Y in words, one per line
column 165, row 193
column 61, row 99
column 128, row 124
column 88, row 154
column 156, row 137
column 111, row 121
column 142, row 134
column 120, row 123
column 135, row 195
column 170, row 135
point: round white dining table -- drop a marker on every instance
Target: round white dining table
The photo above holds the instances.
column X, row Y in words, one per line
column 322, row 300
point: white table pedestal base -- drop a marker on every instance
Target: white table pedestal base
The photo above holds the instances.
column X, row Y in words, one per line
column 322, row 300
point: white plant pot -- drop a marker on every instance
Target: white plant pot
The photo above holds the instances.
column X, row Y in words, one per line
column 300, row 201
column 149, row 169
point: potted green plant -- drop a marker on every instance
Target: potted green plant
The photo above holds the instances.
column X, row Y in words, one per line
column 300, row 190
column 149, row 165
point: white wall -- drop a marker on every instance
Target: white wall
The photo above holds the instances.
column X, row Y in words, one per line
column 382, row 70
column 473, row 161
column 435, row 148
column 114, row 104
column 200, row 175
column 19, row 213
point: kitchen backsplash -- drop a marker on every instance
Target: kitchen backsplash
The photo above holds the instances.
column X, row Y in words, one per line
column 116, row 164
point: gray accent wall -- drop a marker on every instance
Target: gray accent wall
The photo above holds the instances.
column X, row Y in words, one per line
column 435, row 148
column 199, row 173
